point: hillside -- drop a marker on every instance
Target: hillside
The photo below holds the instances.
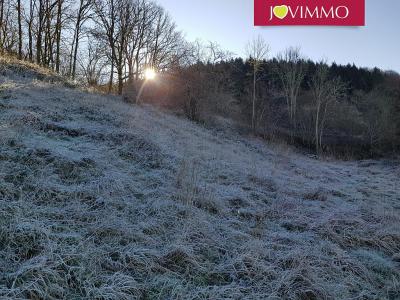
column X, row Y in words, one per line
column 104, row 200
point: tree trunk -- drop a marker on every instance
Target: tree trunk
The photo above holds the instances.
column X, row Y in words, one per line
column 75, row 55
column 58, row 35
column 120, row 62
column 39, row 34
column 110, row 84
column 30, row 38
column 317, row 144
column 19, row 29
column 253, row 116
column 75, row 43
column 1, row 24
column 112, row 46
column 120, row 79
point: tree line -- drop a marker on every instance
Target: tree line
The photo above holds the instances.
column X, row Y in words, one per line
column 343, row 110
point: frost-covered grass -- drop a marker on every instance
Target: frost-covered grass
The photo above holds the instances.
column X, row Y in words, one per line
column 103, row 200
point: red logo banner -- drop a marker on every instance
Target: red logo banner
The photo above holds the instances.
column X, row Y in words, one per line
column 309, row 12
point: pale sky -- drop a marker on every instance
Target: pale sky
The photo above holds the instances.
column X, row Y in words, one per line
column 230, row 23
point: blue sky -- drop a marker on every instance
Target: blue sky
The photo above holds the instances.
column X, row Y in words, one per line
column 230, row 23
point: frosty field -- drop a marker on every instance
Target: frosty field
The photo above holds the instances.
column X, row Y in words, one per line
column 100, row 199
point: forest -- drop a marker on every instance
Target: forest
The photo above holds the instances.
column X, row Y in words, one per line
column 108, row 45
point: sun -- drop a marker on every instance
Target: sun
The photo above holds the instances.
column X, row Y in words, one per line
column 150, row 74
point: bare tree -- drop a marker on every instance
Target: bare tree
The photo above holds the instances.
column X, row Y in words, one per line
column 326, row 91
column 39, row 30
column 124, row 13
column 163, row 40
column 29, row 19
column 19, row 12
column 8, row 28
column 58, row 32
column 195, row 82
column 291, row 70
column 47, row 53
column 2, row 25
column 136, row 36
column 215, row 54
column 257, row 51
column 379, row 118
column 105, row 11
column 82, row 15
column 93, row 62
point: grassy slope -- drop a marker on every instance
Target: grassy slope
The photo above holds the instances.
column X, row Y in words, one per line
column 102, row 200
